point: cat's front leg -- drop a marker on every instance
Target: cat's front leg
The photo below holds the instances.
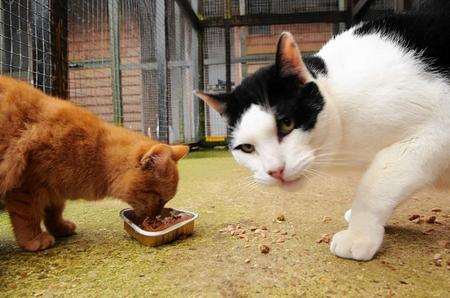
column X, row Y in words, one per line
column 25, row 214
column 395, row 173
column 54, row 222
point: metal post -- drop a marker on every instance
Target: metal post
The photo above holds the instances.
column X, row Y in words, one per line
column 228, row 57
column 161, row 61
column 201, row 82
column 114, row 45
column 228, row 51
column 60, row 63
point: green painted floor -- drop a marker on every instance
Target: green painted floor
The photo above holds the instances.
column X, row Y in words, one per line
column 101, row 260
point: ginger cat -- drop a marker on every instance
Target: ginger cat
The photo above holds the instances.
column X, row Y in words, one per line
column 52, row 150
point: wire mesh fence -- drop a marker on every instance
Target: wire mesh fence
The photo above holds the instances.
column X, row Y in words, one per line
column 136, row 66
column 154, row 57
column 26, row 42
column 89, row 58
column 182, row 76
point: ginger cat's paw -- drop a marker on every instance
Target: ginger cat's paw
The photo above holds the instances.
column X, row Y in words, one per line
column 42, row 241
column 64, row 228
column 361, row 246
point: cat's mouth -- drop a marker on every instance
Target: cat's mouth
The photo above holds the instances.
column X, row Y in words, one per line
column 292, row 184
column 285, row 183
column 289, row 182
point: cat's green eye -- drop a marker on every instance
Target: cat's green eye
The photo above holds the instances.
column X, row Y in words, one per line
column 286, row 125
column 247, row 148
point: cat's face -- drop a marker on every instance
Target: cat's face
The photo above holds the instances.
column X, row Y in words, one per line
column 154, row 180
column 273, row 116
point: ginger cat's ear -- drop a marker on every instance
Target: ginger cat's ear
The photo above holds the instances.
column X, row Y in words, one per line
column 217, row 102
column 157, row 154
column 289, row 60
column 179, row 151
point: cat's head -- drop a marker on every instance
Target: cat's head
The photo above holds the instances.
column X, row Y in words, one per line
column 153, row 180
column 273, row 115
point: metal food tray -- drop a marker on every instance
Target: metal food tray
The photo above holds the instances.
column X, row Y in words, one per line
column 148, row 238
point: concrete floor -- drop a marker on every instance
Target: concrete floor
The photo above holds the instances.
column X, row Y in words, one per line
column 102, row 260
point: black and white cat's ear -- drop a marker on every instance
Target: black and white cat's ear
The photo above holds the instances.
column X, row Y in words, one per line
column 289, row 60
column 215, row 101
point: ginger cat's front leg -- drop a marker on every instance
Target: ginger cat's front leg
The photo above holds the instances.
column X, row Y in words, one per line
column 54, row 222
column 395, row 173
column 25, row 214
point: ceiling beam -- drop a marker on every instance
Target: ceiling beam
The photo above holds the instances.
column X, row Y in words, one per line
column 275, row 19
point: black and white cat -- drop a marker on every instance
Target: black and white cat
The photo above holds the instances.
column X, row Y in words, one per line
column 380, row 90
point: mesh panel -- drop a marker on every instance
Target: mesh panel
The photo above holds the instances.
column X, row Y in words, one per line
column 89, row 58
column 130, row 58
column 214, row 67
column 213, row 8
column 158, row 50
column 182, row 73
column 26, row 41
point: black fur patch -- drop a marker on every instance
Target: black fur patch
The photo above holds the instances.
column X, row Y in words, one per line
column 427, row 33
column 285, row 96
column 315, row 65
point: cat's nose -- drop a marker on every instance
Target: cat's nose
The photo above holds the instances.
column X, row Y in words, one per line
column 277, row 174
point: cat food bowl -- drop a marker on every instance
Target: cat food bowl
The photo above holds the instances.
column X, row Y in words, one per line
column 171, row 225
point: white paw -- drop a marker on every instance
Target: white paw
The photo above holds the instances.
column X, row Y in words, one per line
column 360, row 246
column 347, row 215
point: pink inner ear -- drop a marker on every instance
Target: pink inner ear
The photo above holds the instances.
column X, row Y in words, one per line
column 291, row 62
column 211, row 101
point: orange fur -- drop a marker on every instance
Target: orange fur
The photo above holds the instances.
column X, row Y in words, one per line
column 52, row 150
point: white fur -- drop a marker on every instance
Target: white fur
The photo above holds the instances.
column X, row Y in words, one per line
column 258, row 127
column 382, row 107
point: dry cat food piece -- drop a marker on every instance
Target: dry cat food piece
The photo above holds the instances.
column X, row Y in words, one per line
column 431, row 219
column 264, row 249
column 413, row 217
column 326, row 238
column 326, row 219
column 436, row 210
column 437, row 260
column 417, row 220
column 161, row 222
column 428, row 232
column 281, row 217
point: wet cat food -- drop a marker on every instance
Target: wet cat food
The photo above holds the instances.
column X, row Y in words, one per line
column 162, row 222
column 170, row 225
